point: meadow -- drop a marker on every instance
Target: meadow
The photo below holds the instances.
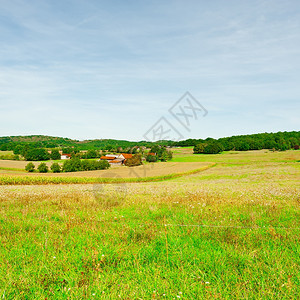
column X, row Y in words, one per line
column 231, row 231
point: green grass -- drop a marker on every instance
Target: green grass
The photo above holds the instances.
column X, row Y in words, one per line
column 6, row 153
column 233, row 232
column 12, row 169
column 74, row 246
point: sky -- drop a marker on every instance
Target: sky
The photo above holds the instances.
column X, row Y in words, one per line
column 88, row 69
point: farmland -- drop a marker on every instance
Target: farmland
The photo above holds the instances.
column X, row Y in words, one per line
column 230, row 231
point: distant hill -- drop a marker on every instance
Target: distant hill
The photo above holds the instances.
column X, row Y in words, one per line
column 278, row 141
column 44, row 141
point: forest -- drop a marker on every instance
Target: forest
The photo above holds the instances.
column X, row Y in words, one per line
column 280, row 141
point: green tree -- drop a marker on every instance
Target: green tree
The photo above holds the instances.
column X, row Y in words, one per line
column 213, row 148
column 55, row 155
column 37, row 154
column 199, row 148
column 151, row 158
column 91, row 153
column 55, row 168
column 30, row 167
column 18, row 149
column 72, row 165
column 42, row 168
column 243, row 146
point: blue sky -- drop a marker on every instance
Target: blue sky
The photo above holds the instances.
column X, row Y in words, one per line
column 110, row 69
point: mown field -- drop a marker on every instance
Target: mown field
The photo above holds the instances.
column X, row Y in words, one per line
column 229, row 232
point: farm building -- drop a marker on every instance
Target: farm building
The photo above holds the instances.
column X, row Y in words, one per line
column 116, row 159
column 65, row 156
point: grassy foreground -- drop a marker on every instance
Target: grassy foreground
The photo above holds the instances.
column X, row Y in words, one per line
column 231, row 232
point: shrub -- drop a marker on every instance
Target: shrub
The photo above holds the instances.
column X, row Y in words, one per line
column 151, row 158
column 136, row 160
column 55, row 168
column 103, row 165
column 42, row 168
column 30, row 167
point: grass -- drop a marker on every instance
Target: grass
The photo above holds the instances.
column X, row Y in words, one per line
column 12, row 169
column 231, row 232
column 6, row 153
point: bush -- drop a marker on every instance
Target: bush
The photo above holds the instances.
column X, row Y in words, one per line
column 151, row 158
column 103, row 164
column 136, row 160
column 30, row 167
column 55, row 168
column 42, row 168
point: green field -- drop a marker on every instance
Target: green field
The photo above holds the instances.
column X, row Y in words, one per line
column 229, row 232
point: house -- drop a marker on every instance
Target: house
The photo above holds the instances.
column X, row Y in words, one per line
column 65, row 156
column 109, row 157
column 125, row 156
column 116, row 162
column 116, row 159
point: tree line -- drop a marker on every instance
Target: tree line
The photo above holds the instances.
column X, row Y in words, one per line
column 279, row 141
column 28, row 146
column 75, row 164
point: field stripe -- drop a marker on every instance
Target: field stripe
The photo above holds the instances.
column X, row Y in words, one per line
column 39, row 180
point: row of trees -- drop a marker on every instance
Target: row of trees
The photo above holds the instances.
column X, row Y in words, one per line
column 75, row 164
column 39, row 141
column 278, row 141
column 72, row 165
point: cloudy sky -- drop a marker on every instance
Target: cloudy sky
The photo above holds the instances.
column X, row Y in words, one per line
column 110, row 69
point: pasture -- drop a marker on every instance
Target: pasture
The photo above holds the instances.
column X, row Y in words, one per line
column 231, row 231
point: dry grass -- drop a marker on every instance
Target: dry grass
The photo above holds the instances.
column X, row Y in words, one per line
column 147, row 170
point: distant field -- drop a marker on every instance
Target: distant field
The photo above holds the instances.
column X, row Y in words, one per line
column 237, row 157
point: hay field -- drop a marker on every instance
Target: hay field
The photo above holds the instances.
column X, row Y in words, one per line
column 19, row 164
column 147, row 170
column 230, row 232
